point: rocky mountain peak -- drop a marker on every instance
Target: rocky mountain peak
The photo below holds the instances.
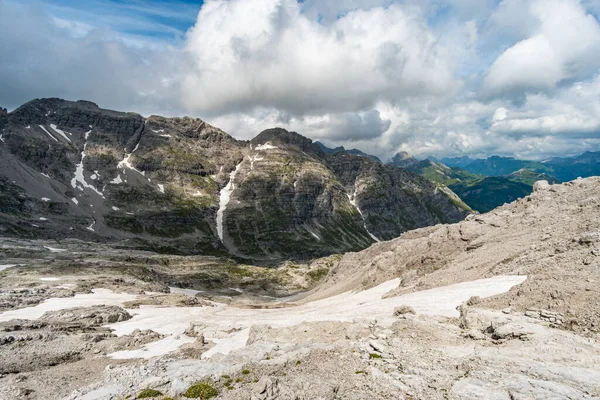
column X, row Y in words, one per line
column 284, row 138
column 403, row 160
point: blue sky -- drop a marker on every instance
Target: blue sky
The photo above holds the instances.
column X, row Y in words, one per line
column 431, row 77
column 162, row 20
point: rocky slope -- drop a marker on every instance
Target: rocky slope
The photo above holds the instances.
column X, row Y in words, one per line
column 502, row 305
column 179, row 185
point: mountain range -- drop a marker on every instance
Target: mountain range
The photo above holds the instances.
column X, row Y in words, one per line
column 182, row 186
column 485, row 184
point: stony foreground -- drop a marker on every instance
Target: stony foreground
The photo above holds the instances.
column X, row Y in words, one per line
column 501, row 306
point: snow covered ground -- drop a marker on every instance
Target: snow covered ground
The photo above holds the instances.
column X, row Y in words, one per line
column 229, row 326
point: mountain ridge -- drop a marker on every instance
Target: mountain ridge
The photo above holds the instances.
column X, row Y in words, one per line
column 182, row 185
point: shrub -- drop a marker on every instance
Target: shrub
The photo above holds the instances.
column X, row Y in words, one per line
column 202, row 391
column 148, row 394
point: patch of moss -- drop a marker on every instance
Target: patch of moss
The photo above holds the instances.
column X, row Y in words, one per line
column 246, row 372
column 318, row 274
column 202, row 391
column 148, row 394
column 374, row 356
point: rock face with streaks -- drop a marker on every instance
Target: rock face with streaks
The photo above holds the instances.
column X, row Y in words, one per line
column 180, row 185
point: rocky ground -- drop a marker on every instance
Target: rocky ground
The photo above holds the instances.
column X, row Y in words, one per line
column 503, row 305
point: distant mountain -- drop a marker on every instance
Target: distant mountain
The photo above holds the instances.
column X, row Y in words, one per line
column 529, row 177
column 456, row 162
column 465, row 176
column 557, row 168
column 403, row 160
column 180, row 185
column 499, row 166
column 569, row 168
column 488, row 193
column 435, row 171
column 355, row 152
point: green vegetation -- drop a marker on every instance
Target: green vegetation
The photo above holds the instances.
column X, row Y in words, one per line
column 318, row 274
column 486, row 194
column 202, row 390
column 246, row 372
column 529, row 177
column 148, row 394
column 373, row 356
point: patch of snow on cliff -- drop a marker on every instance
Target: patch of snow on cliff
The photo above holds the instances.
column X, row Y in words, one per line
column 224, row 199
column 353, row 202
column 49, row 134
column 91, row 227
column 266, row 146
column 60, row 132
column 78, row 181
column 125, row 163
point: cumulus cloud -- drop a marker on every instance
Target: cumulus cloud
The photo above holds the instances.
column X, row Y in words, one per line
column 267, row 53
column 562, row 44
column 49, row 57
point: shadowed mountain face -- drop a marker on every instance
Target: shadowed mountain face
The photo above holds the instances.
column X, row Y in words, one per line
column 71, row 169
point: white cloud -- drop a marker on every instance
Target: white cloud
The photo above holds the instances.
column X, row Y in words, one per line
column 266, row 53
column 562, row 45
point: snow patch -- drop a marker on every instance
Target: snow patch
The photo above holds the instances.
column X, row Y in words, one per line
column 117, row 180
column 45, row 199
column 54, row 250
column 51, row 279
column 74, row 200
column 353, row 202
column 315, row 235
column 60, row 132
column 224, row 199
column 28, row 127
column 91, row 227
column 49, row 134
column 97, row 297
column 78, row 181
column 115, row 208
column 229, row 326
column 125, row 163
column 158, row 131
column 2, row 138
column 266, row 146
column 253, row 159
column 367, row 305
column 43, row 219
column 165, row 136
column 7, row 266
column 161, row 188
column 93, row 177
column 46, row 175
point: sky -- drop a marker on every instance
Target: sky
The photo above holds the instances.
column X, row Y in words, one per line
column 431, row 77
